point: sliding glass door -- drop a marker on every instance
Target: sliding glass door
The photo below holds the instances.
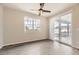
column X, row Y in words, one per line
column 62, row 29
column 66, row 28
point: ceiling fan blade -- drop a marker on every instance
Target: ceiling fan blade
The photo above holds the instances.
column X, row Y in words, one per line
column 41, row 5
column 46, row 11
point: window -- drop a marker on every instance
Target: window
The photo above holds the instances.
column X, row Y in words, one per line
column 31, row 24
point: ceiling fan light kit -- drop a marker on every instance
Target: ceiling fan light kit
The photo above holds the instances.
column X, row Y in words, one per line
column 41, row 10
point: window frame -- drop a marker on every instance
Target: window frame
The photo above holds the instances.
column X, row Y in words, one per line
column 33, row 23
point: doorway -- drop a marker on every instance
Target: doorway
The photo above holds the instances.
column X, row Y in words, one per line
column 62, row 28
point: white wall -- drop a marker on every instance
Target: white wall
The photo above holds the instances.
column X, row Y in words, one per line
column 1, row 26
column 75, row 26
column 51, row 29
column 14, row 27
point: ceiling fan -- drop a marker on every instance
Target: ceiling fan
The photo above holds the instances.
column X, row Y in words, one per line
column 41, row 10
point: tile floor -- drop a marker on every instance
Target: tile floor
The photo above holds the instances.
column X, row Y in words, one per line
column 46, row 47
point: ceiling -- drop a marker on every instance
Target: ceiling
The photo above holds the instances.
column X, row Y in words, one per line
column 33, row 7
